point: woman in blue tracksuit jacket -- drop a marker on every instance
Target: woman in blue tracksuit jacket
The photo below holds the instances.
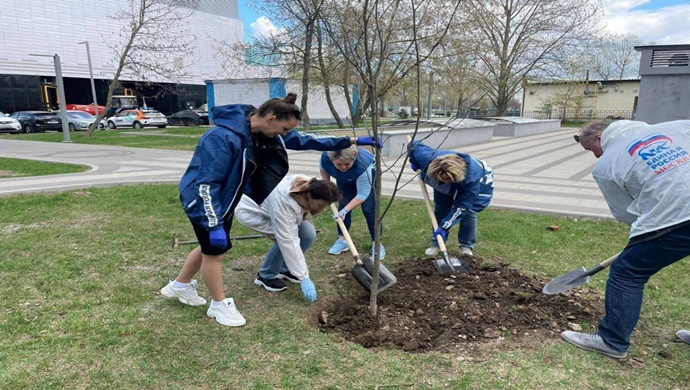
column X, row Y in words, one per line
column 454, row 202
column 353, row 170
column 244, row 153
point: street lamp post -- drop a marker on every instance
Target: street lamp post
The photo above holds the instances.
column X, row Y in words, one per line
column 93, row 85
column 61, row 95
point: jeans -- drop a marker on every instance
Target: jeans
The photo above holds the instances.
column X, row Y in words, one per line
column 467, row 235
column 274, row 263
column 627, row 278
column 349, row 191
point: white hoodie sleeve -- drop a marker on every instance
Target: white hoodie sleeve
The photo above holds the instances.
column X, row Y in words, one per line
column 284, row 217
column 286, row 227
column 253, row 216
column 617, row 199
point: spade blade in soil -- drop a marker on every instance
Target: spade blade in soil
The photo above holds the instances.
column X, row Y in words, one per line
column 566, row 282
column 449, row 265
column 363, row 274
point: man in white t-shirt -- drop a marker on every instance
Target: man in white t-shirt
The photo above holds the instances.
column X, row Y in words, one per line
column 643, row 172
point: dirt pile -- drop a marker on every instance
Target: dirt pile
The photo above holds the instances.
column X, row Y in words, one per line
column 492, row 305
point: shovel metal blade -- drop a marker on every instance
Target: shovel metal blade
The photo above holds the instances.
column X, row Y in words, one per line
column 443, row 268
column 566, row 281
column 364, row 275
column 449, row 265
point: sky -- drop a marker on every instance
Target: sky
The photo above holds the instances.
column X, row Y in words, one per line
column 660, row 22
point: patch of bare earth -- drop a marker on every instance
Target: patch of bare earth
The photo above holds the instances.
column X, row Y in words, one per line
column 6, row 173
column 492, row 306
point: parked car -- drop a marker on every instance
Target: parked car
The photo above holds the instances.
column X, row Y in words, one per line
column 188, row 118
column 137, row 119
column 86, row 108
column 80, row 120
column 8, row 124
column 38, row 121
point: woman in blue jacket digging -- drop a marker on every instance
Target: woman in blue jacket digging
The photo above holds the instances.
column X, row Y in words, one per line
column 244, row 153
column 463, row 186
column 353, row 170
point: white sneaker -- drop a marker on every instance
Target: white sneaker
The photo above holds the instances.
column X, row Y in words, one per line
column 684, row 335
column 431, row 251
column 226, row 314
column 466, row 251
column 187, row 295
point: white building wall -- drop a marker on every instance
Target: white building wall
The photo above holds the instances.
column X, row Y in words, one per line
column 257, row 91
column 253, row 92
column 615, row 95
column 317, row 106
column 56, row 27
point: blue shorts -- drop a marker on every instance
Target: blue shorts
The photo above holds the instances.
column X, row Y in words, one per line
column 204, row 237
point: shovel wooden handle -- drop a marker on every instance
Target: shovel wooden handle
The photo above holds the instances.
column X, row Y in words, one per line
column 432, row 216
column 610, row 260
column 602, row 265
column 346, row 235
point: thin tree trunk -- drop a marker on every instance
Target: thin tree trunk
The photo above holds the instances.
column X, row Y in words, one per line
column 305, row 76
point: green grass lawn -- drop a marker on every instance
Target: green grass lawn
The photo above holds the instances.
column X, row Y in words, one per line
column 14, row 167
column 81, row 309
column 178, row 138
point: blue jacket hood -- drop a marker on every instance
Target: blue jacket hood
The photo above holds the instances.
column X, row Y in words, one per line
column 232, row 116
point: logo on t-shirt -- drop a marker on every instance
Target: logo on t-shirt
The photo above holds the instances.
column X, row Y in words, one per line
column 659, row 153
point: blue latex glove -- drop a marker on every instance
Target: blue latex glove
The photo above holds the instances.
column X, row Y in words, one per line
column 308, row 289
column 443, row 232
column 370, row 141
column 219, row 238
column 414, row 167
column 341, row 214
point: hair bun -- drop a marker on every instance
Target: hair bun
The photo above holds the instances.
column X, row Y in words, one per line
column 291, row 98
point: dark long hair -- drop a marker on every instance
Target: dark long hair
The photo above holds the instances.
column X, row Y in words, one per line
column 324, row 190
column 282, row 108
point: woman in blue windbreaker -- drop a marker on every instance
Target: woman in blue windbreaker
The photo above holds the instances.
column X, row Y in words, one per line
column 353, row 170
column 244, row 153
column 463, row 186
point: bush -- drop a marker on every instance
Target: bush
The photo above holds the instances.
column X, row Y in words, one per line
column 402, row 114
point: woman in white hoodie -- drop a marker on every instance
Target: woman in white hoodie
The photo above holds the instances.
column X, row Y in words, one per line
column 285, row 216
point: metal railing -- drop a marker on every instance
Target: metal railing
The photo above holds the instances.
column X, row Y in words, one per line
column 580, row 115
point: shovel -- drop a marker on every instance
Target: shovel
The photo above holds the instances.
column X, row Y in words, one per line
column 447, row 265
column 363, row 270
column 575, row 278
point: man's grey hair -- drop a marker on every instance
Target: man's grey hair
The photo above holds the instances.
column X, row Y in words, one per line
column 596, row 126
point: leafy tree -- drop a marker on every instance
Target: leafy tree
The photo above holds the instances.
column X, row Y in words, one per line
column 613, row 56
column 567, row 97
column 147, row 46
column 513, row 38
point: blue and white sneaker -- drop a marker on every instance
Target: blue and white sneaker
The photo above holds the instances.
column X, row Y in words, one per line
column 383, row 252
column 339, row 247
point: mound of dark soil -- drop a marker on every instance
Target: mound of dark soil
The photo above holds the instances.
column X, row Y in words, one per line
column 493, row 304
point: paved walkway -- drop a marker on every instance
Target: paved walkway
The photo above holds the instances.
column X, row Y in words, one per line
column 546, row 173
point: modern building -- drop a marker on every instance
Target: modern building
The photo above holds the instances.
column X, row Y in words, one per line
column 665, row 83
column 48, row 27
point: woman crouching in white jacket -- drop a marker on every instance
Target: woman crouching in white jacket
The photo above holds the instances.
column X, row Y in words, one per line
column 285, row 216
